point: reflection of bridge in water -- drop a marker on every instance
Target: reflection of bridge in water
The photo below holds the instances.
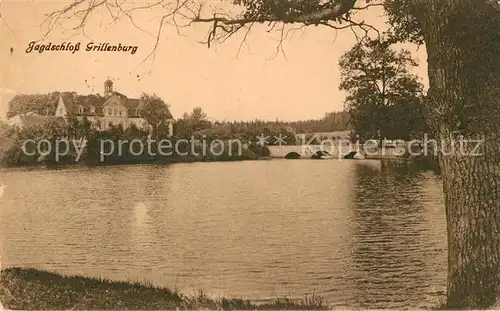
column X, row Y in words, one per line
column 306, row 151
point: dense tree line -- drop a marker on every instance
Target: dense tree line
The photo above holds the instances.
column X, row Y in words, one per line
column 102, row 147
column 196, row 121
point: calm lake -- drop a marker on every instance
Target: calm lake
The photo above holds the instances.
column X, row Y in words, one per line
column 357, row 233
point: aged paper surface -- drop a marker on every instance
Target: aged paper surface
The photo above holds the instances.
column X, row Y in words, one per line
column 183, row 154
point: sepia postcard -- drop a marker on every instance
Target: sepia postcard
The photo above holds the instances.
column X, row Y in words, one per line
column 249, row 154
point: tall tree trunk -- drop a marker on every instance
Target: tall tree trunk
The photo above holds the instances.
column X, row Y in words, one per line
column 463, row 46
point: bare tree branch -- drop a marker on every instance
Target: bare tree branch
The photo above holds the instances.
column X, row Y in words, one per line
column 5, row 23
column 129, row 15
column 334, row 14
column 368, row 6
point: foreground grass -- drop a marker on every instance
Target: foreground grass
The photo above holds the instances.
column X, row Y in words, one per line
column 29, row 289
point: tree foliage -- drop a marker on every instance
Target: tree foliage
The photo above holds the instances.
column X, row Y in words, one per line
column 155, row 111
column 403, row 16
column 42, row 104
column 383, row 96
column 198, row 119
column 286, row 10
column 192, row 123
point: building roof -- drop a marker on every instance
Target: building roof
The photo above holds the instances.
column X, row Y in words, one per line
column 26, row 120
column 93, row 104
column 73, row 102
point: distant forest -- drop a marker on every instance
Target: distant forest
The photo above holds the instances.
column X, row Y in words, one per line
column 45, row 104
column 332, row 121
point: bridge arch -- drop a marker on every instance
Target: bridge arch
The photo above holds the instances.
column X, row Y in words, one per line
column 292, row 155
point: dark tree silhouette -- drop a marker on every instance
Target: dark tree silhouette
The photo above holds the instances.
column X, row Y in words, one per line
column 383, row 96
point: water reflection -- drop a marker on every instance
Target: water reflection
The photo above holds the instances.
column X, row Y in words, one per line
column 391, row 245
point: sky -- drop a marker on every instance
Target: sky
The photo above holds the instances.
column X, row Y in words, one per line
column 228, row 82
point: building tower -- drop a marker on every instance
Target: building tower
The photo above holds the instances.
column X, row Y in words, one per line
column 108, row 88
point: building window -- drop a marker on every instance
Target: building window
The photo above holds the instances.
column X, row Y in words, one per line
column 121, row 112
column 92, row 109
column 110, row 111
column 110, row 124
column 80, row 109
column 115, row 112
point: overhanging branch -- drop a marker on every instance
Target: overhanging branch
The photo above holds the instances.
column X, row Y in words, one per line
column 325, row 14
column 335, row 14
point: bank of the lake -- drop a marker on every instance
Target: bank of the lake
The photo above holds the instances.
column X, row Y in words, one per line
column 57, row 145
column 92, row 158
column 30, row 289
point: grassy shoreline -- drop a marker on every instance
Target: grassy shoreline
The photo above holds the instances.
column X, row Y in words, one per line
column 29, row 289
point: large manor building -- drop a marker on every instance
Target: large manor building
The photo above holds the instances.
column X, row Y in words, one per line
column 113, row 109
column 104, row 112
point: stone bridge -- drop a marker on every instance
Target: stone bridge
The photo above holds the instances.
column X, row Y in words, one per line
column 306, row 151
